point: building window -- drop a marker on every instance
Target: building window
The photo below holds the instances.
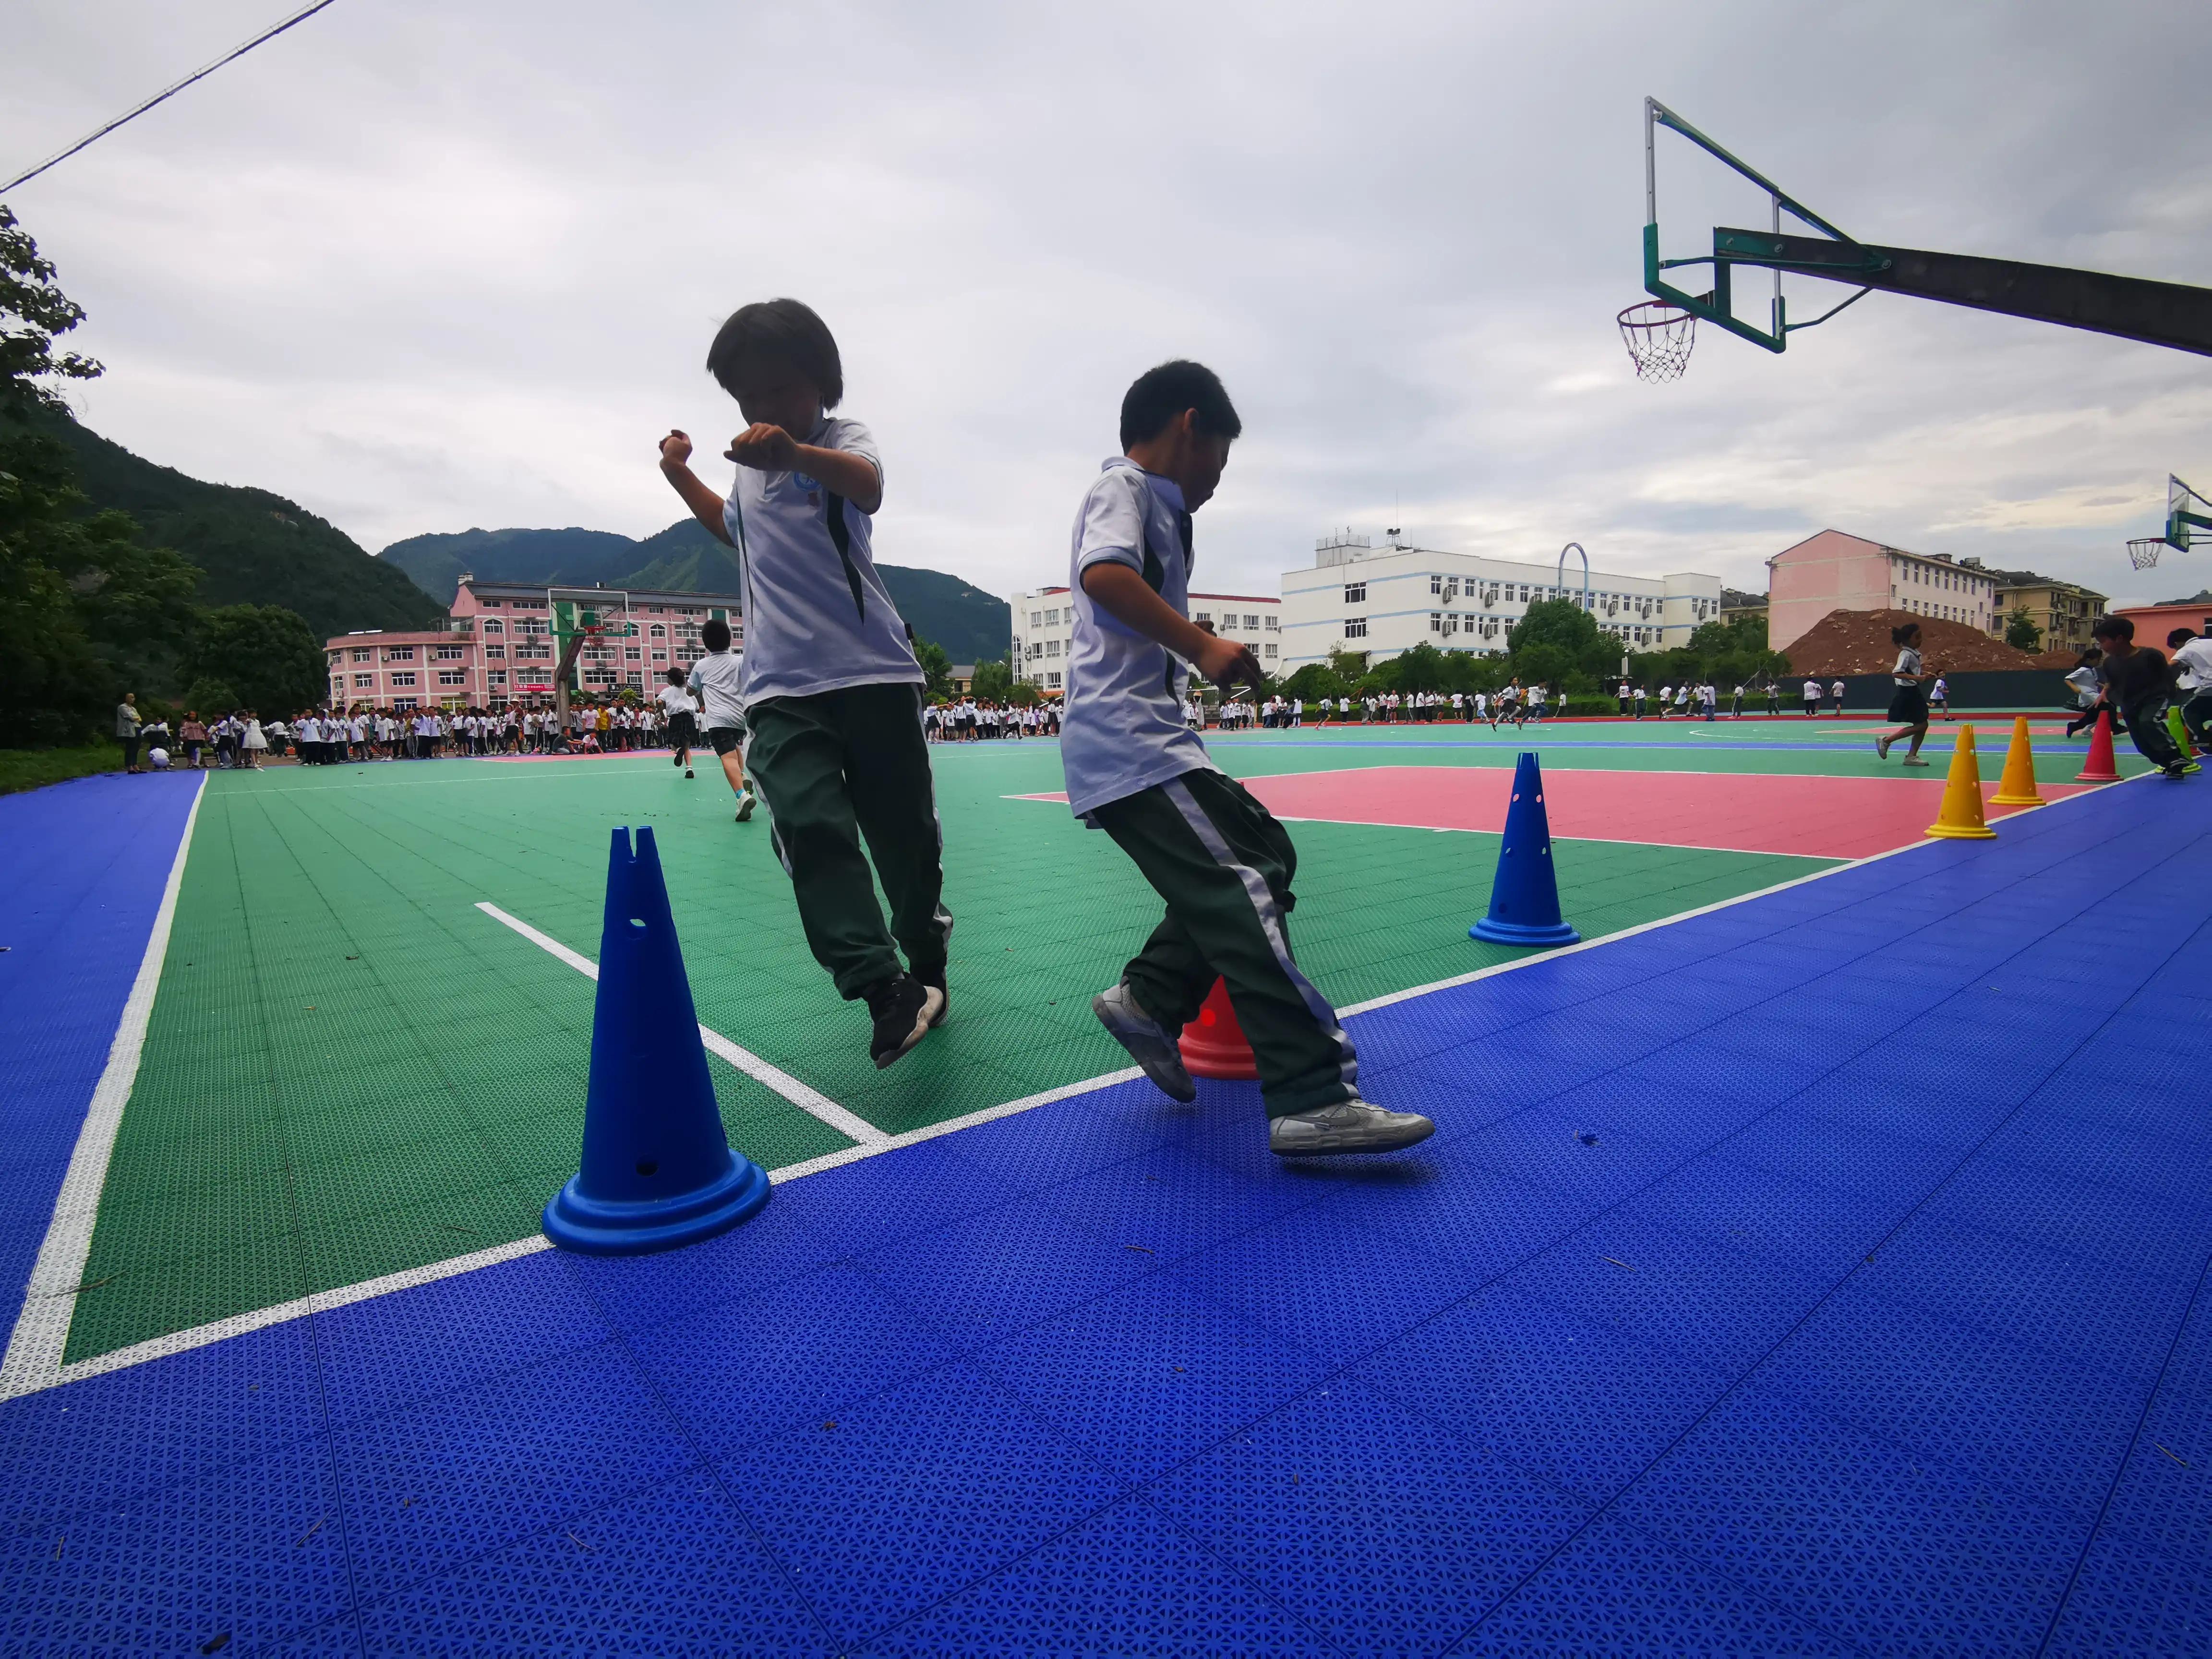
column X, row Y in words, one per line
column 1436, row 621
column 361, row 681
column 452, row 677
column 633, row 653
column 660, row 656
column 636, row 678
column 494, row 604
column 451, row 652
column 498, row 677
column 1355, row 592
column 1435, row 585
column 1051, row 681
column 1251, row 622
column 362, row 655
column 658, row 631
column 400, row 654
column 1051, row 618
column 1355, row 627
column 1274, row 623
column 403, row 679
column 494, row 625
column 495, row 653
column 1201, row 616
column 1271, row 651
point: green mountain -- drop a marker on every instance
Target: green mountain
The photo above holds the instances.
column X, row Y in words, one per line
column 256, row 547
column 687, row 558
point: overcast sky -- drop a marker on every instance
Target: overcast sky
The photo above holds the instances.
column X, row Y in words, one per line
column 424, row 267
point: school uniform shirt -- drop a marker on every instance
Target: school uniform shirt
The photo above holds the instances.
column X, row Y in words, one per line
column 718, row 682
column 1811, row 690
column 818, row 618
column 1122, row 728
column 675, row 700
column 1908, row 667
column 2194, row 658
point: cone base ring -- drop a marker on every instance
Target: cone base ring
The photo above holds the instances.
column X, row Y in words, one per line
column 2018, row 800
column 1226, row 1068
column 2098, row 777
column 597, row 1227
column 1961, row 832
column 1521, row 932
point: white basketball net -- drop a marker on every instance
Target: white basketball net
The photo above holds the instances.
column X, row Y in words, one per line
column 1659, row 337
column 2143, row 551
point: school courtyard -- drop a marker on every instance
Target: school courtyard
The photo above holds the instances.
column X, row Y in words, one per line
column 1812, row 1260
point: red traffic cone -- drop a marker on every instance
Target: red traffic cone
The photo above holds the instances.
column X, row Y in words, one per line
column 2100, row 768
column 1213, row 1044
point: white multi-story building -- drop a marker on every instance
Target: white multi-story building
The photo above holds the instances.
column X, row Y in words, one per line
column 1384, row 600
column 1044, row 621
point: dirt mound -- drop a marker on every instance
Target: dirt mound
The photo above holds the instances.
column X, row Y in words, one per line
column 1845, row 642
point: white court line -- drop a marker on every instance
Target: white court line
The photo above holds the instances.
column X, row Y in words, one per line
column 41, row 1333
column 202, row 1336
column 809, row 1100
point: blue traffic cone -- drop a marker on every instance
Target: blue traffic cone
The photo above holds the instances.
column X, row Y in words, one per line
column 658, row 1170
column 1524, row 899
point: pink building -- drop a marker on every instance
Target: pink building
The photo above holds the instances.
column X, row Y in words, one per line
column 2154, row 621
column 496, row 646
column 1833, row 571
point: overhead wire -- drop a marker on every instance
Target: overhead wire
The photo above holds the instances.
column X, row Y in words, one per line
column 168, row 92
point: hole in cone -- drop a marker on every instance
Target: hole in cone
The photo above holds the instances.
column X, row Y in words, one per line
column 649, row 1168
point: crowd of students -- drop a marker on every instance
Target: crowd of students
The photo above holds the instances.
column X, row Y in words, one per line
column 966, row 720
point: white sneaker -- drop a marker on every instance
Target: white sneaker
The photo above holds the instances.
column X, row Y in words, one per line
column 745, row 805
column 1350, row 1126
column 1881, row 746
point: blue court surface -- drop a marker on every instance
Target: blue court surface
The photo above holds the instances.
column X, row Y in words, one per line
column 1825, row 1272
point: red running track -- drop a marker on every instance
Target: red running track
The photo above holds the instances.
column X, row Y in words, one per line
column 1813, row 817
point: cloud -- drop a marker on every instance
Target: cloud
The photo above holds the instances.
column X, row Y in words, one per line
column 422, row 268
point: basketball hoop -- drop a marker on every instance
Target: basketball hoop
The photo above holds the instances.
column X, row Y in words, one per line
column 2143, row 551
column 1659, row 337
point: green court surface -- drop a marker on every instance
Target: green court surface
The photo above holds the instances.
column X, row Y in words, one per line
column 352, row 1071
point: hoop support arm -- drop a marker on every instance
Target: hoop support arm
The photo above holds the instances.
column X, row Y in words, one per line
column 2172, row 315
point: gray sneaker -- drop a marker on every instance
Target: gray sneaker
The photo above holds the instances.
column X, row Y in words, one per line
column 1150, row 1047
column 745, row 804
column 1350, row 1126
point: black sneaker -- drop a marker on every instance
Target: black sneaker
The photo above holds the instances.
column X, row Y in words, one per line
column 903, row 1009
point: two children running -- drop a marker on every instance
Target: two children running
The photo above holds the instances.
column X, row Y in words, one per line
column 830, row 697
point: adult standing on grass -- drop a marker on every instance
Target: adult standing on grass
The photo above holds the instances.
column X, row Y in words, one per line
column 126, row 730
column 1908, row 703
column 1219, row 860
column 2138, row 682
column 830, row 689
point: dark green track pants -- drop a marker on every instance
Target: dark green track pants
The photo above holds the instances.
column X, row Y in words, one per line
column 832, row 768
column 1225, row 865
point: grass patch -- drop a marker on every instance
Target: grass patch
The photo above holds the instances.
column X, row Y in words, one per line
column 34, row 769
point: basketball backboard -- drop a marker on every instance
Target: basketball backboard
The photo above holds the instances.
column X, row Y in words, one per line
column 2184, row 510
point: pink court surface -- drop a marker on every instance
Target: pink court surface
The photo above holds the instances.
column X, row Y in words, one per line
column 1737, row 812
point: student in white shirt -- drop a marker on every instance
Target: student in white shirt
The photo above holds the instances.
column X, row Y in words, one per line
column 1908, row 703
column 2192, row 655
column 1812, row 698
column 1939, row 696
column 830, row 687
column 1836, row 691
column 1219, row 860
column 676, row 701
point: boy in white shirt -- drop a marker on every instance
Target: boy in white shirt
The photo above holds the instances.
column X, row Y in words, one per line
column 830, row 688
column 1218, row 858
column 2192, row 655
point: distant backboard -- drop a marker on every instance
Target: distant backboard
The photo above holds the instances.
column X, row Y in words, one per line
column 2186, row 510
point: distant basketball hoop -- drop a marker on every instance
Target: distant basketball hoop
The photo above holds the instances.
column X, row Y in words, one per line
column 2143, row 551
column 1659, row 337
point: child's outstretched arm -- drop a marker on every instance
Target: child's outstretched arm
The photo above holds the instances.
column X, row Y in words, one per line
column 1121, row 594
column 701, row 498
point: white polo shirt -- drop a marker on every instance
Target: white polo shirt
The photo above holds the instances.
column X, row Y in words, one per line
column 817, row 616
column 1122, row 726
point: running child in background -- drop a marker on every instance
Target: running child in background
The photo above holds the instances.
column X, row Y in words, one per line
column 830, row 687
column 1939, row 697
column 1908, row 703
column 2089, row 690
column 675, row 699
column 1218, row 858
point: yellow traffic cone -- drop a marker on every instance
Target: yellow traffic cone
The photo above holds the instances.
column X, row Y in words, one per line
column 1961, row 816
column 2017, row 787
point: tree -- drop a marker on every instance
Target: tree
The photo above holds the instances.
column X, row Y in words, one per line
column 84, row 608
column 1315, row 680
column 936, row 668
column 268, row 654
column 993, row 681
column 2020, row 631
